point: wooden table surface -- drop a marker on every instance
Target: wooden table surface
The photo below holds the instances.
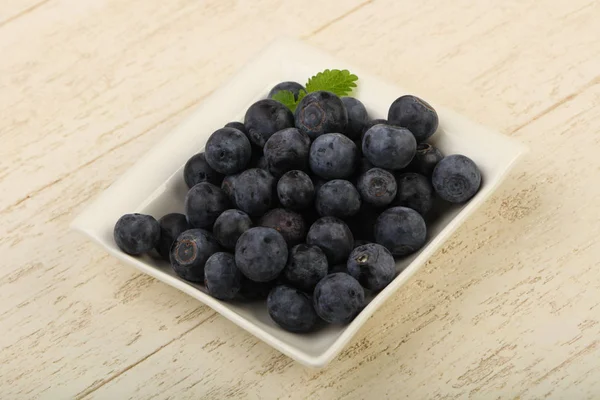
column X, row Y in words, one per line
column 508, row 309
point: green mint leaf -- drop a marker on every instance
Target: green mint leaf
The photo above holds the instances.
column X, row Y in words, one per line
column 340, row 82
column 286, row 98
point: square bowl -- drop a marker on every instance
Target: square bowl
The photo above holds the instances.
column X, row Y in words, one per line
column 155, row 186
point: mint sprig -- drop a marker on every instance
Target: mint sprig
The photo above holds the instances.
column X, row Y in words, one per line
column 339, row 82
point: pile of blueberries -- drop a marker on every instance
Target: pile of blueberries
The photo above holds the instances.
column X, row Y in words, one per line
column 306, row 209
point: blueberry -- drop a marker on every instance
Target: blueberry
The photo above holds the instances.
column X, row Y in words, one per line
column 239, row 126
column 456, row 178
column 414, row 191
column 288, row 223
column 333, row 156
column 171, row 226
column 425, row 159
column 321, row 112
column 362, row 224
column 305, row 267
column 261, row 254
column 291, row 309
column 357, row 117
column 389, row 147
column 414, row 114
column 295, row 190
column 229, row 226
column 293, row 87
column 287, row 150
column 197, row 170
column 251, row 290
column 333, row 236
column 401, row 230
column 372, row 265
column 369, row 124
column 264, row 118
column 228, row 151
column 377, row 187
column 136, row 234
column 227, row 187
column 253, row 191
column 223, row 280
column 337, row 198
column 204, row 202
column 190, row 251
column 338, row 298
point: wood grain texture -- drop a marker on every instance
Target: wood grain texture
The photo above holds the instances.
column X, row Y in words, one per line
column 507, row 309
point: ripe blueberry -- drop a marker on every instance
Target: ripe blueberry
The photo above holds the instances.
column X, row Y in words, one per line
column 229, row 226
column 295, row 190
column 333, row 236
column 136, row 234
column 456, row 178
column 372, row 265
column 291, row 309
column 333, row 156
column 389, row 147
column 337, row 198
column 401, row 230
column 190, row 251
column 377, row 187
column 414, row 114
column 305, row 267
column 321, row 112
column 223, row 280
column 338, row 298
column 261, row 254
column 264, row 118
column 204, row 202
column 287, row 150
column 228, row 151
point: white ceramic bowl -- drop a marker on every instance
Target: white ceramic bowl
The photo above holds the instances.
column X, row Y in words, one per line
column 155, row 186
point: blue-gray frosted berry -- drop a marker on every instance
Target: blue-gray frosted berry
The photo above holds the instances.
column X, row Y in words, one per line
column 372, row 265
column 319, row 113
column 253, row 191
column 228, row 151
column 425, row 160
column 333, row 156
column 204, row 202
column 229, row 226
column 305, row 267
column 136, row 234
column 456, row 178
column 291, row 86
column 289, row 223
column 338, row 298
column 190, row 251
column 333, row 236
column 337, row 198
column 377, row 187
column 222, row 278
column 389, row 147
column 414, row 114
column 287, row 150
column 197, row 170
column 414, row 191
column 401, row 230
column 291, row 309
column 264, row 118
column 171, row 226
column 357, row 117
column 295, row 190
column 261, row 254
